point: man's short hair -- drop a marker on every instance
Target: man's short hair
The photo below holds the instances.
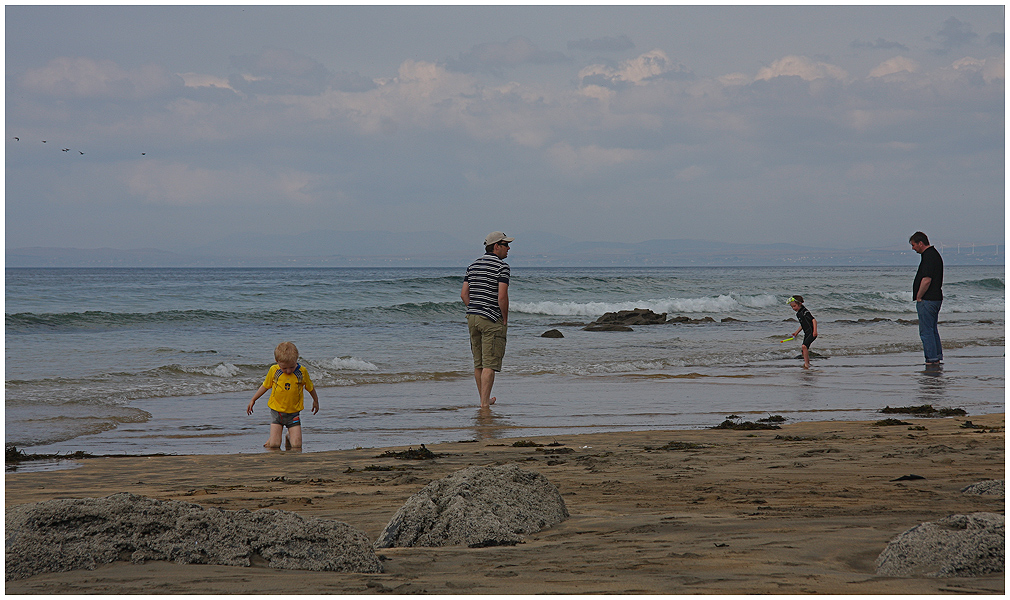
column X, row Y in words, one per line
column 917, row 237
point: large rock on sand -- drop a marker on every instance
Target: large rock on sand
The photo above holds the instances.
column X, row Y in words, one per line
column 476, row 507
column 64, row 535
column 989, row 487
column 956, row 546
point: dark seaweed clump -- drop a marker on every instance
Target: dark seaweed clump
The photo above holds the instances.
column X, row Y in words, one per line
column 421, row 453
column 890, row 423
column 14, row 455
column 924, row 410
column 676, row 446
column 733, row 422
column 526, row 444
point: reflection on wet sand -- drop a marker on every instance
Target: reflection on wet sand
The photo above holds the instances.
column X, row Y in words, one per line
column 490, row 427
column 932, row 385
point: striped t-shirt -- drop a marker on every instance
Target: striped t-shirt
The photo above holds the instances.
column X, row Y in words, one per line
column 483, row 276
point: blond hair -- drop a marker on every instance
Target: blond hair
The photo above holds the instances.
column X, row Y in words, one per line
column 286, row 352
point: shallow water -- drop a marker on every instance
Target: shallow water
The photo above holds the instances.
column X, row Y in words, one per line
column 165, row 360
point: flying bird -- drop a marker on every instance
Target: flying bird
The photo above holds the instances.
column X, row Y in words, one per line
column 66, row 149
column 43, row 141
column 82, row 154
column 17, row 139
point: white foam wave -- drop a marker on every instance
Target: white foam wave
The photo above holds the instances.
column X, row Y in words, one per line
column 350, row 363
column 225, row 370
column 724, row 303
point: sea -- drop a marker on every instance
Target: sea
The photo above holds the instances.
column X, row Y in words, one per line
column 164, row 360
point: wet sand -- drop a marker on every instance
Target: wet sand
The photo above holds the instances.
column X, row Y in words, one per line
column 803, row 509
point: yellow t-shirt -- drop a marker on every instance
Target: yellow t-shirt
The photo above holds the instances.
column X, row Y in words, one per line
column 285, row 392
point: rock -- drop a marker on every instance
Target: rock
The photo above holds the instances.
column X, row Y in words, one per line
column 690, row 320
column 956, row 546
column 639, row 316
column 730, row 320
column 68, row 534
column 991, row 487
column 476, row 507
column 592, row 327
column 552, row 333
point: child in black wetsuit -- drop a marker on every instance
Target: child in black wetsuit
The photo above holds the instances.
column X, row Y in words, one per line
column 808, row 324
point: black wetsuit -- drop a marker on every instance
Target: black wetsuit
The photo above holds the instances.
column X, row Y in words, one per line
column 807, row 322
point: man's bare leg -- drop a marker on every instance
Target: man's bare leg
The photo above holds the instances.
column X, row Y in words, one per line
column 485, row 380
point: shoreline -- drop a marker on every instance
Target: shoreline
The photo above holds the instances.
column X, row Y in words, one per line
column 433, row 412
column 802, row 509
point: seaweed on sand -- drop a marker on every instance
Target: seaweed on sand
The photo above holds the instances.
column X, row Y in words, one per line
column 924, row 410
column 733, row 422
column 676, row 446
column 14, row 455
column 421, row 453
column 890, row 423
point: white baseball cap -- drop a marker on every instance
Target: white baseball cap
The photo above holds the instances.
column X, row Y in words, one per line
column 496, row 236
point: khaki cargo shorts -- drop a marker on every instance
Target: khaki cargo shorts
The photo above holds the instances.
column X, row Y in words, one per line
column 487, row 342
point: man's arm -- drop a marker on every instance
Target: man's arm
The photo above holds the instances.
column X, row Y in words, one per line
column 503, row 301
column 465, row 294
column 923, row 286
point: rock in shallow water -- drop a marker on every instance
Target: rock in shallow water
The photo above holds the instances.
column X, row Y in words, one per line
column 64, row 535
column 956, row 546
column 476, row 507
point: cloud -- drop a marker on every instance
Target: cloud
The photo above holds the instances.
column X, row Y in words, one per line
column 196, row 80
column 879, row 44
column 278, row 71
column 495, row 57
column 604, row 44
column 651, row 66
column 895, row 65
column 802, row 67
column 180, row 184
column 995, row 38
column 76, row 77
column 953, row 34
column 991, row 69
column 589, row 160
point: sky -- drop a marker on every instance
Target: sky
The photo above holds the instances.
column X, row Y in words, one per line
column 174, row 127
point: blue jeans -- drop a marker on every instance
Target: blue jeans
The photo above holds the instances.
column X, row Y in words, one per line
column 929, row 313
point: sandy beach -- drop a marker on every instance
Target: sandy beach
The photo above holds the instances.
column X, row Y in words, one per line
column 803, row 509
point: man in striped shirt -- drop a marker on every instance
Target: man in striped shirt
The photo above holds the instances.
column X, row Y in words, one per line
column 486, row 296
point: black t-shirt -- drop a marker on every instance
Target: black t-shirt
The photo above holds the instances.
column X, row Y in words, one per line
column 930, row 265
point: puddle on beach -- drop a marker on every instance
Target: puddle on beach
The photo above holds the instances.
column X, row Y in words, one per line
column 35, row 466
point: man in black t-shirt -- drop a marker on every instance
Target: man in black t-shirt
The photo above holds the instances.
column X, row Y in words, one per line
column 928, row 296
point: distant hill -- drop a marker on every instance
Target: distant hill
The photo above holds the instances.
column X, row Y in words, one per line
column 533, row 248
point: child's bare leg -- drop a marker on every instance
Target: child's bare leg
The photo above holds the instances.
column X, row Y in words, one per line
column 275, row 436
column 806, row 357
column 294, row 437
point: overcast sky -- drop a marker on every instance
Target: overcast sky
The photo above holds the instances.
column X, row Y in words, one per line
column 172, row 127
